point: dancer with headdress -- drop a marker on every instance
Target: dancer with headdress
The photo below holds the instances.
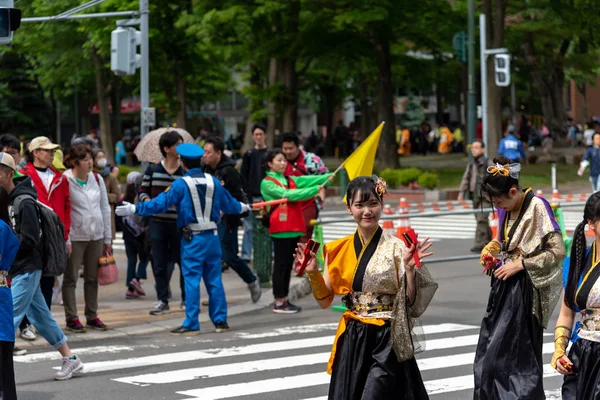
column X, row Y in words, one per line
column 384, row 291
column 581, row 276
column 524, row 289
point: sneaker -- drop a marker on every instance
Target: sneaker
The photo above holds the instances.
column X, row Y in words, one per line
column 182, row 305
column 131, row 295
column 75, row 326
column 70, row 366
column 286, row 308
column 28, row 333
column 160, row 308
column 255, row 291
column 137, row 287
column 17, row 351
column 96, row 324
column 183, row 331
column 221, row 327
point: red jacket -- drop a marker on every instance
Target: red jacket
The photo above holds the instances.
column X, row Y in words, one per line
column 58, row 198
column 293, row 221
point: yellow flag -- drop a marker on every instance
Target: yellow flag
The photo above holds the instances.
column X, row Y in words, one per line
column 360, row 162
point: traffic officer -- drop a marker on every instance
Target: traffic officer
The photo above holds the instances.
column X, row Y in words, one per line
column 199, row 198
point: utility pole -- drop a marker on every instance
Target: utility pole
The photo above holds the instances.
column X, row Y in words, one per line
column 145, row 68
column 472, row 96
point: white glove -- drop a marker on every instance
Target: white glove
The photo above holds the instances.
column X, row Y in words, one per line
column 125, row 210
column 245, row 208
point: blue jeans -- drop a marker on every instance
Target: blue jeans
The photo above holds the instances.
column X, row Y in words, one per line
column 28, row 299
column 229, row 246
column 201, row 259
column 595, row 180
column 247, row 240
column 135, row 247
column 166, row 250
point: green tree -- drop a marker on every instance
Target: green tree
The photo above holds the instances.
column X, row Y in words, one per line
column 413, row 113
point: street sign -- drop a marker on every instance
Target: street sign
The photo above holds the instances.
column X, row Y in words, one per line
column 149, row 116
column 460, row 41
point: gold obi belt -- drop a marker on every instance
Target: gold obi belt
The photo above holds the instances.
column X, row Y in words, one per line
column 3, row 281
column 365, row 303
column 590, row 325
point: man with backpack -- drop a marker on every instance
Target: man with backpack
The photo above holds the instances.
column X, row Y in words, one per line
column 32, row 259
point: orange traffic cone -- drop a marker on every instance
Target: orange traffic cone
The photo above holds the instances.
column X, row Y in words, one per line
column 403, row 223
column 539, row 194
column 388, row 224
column 555, row 198
column 493, row 220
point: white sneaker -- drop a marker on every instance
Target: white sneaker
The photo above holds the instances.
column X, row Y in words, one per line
column 28, row 333
column 17, row 351
column 69, row 367
column 255, row 291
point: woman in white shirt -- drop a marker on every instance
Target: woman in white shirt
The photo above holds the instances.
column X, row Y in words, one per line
column 90, row 236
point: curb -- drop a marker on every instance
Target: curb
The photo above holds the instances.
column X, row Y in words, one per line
column 299, row 287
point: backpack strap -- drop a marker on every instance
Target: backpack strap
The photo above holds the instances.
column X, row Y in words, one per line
column 13, row 210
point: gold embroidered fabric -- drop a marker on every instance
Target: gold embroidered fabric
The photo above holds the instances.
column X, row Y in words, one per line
column 369, row 304
column 543, row 251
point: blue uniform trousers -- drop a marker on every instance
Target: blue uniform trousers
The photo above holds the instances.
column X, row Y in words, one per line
column 201, row 258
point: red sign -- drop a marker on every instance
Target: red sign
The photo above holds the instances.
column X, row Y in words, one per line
column 127, row 107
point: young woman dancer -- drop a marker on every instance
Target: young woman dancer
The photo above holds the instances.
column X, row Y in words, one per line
column 373, row 353
column 524, row 289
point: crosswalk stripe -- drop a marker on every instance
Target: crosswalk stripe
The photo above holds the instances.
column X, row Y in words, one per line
column 53, row 355
column 189, row 374
column 258, row 387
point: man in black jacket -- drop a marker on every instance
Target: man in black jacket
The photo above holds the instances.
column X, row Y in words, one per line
column 223, row 168
column 26, row 270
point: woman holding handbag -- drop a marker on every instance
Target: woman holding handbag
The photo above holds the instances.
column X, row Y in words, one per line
column 286, row 222
column 90, row 235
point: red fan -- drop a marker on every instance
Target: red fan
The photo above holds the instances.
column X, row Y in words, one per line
column 311, row 246
column 410, row 238
column 489, row 263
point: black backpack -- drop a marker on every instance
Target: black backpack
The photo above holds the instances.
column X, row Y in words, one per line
column 52, row 233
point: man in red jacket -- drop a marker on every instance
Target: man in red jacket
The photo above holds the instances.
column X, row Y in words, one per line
column 53, row 191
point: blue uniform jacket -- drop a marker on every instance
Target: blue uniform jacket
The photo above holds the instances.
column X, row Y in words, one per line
column 592, row 154
column 9, row 245
column 179, row 195
column 512, row 148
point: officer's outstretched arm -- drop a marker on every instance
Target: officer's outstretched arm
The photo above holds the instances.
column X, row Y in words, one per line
column 163, row 201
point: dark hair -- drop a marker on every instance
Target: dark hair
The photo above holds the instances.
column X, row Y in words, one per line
column 259, row 126
column 77, row 153
column 217, row 143
column 480, row 142
column 96, row 152
column 591, row 212
column 290, row 137
column 168, row 139
column 498, row 185
column 130, row 193
column 271, row 154
column 8, row 140
column 4, row 200
column 365, row 185
column 191, row 163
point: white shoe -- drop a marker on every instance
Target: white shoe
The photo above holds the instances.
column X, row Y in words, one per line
column 69, row 367
column 255, row 291
column 28, row 333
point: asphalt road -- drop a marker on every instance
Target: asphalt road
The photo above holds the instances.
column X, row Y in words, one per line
column 270, row 356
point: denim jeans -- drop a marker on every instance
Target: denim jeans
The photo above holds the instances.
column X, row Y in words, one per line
column 135, row 248
column 166, row 249
column 229, row 246
column 247, row 240
column 28, row 298
column 595, row 181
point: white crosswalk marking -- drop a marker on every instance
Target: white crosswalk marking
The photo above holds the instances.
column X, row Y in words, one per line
column 437, row 228
column 252, row 369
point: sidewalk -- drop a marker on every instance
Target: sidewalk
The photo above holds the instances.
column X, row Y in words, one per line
column 131, row 317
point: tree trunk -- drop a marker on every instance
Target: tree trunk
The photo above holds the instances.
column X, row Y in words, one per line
column 181, row 99
column 272, row 102
column 115, row 99
column 290, row 98
column 387, row 150
column 253, row 106
column 103, row 100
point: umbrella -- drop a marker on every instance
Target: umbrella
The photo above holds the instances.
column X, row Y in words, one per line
column 148, row 149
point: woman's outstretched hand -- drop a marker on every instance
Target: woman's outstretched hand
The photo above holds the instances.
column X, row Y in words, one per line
column 421, row 249
column 299, row 256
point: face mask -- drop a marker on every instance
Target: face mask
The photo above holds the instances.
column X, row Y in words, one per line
column 102, row 163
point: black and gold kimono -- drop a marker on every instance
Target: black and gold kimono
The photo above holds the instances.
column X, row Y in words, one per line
column 373, row 352
column 508, row 360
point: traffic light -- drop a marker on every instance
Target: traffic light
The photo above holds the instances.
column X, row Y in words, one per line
column 502, row 69
column 124, row 59
column 10, row 20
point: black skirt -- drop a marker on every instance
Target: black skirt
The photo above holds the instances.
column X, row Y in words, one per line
column 508, row 360
column 584, row 383
column 366, row 367
column 7, row 373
